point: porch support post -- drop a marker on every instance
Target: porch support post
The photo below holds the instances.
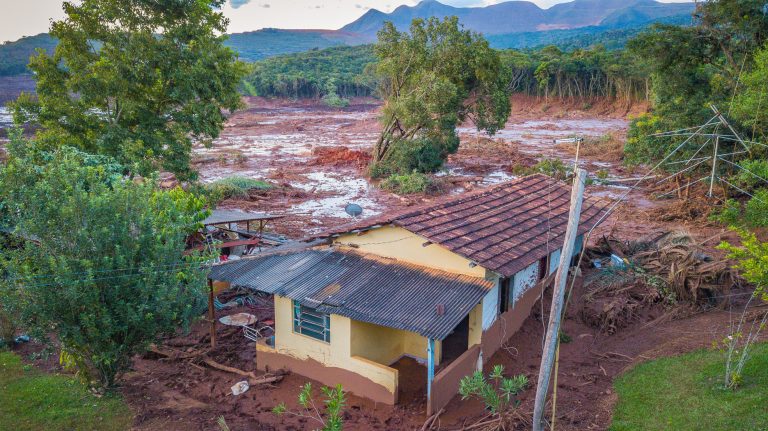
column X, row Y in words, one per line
column 211, row 313
column 430, row 372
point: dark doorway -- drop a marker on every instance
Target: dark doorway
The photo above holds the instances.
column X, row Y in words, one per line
column 504, row 299
column 543, row 267
column 456, row 343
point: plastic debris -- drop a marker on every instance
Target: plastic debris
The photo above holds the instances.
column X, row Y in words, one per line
column 240, row 387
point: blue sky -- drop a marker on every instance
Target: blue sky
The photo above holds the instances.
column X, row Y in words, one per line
column 29, row 17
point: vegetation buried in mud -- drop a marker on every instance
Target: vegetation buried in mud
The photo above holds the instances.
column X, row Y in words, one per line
column 687, row 393
column 414, row 182
column 229, row 187
column 31, row 401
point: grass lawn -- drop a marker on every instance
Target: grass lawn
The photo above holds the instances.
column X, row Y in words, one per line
column 685, row 393
column 32, row 400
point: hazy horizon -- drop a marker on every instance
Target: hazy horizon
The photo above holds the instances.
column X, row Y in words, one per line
column 28, row 18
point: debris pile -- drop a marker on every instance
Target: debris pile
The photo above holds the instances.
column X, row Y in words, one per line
column 640, row 280
column 340, row 156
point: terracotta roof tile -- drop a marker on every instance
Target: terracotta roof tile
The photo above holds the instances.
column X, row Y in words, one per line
column 503, row 228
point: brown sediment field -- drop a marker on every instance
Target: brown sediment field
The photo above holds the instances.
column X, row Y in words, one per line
column 319, row 150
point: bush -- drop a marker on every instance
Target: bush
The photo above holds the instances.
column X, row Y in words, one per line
column 334, row 401
column 747, row 178
column 235, row 186
column 554, row 168
column 496, row 392
column 753, row 213
column 424, row 155
column 414, row 182
column 117, row 278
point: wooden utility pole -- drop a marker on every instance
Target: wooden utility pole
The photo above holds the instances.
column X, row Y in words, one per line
column 558, row 298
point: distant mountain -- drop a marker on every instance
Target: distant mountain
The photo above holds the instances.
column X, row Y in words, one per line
column 14, row 56
column 268, row 42
column 512, row 24
column 523, row 16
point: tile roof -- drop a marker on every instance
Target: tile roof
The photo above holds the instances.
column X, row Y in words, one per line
column 502, row 228
column 366, row 288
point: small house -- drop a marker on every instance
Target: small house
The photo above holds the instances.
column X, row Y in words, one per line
column 438, row 287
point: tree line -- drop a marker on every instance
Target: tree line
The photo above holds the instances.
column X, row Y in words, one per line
column 547, row 72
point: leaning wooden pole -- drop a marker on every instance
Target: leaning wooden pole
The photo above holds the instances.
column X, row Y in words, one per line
column 558, row 299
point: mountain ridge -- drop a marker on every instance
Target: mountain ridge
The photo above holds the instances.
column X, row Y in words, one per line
column 522, row 16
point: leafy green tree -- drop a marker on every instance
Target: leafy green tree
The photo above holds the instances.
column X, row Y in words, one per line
column 693, row 67
column 751, row 101
column 103, row 267
column 137, row 80
column 432, row 78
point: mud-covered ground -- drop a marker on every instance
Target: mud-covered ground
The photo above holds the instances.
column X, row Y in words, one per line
column 316, row 157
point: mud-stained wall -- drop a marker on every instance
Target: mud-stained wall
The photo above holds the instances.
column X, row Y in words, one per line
column 337, row 353
column 268, row 359
column 446, row 383
column 398, row 243
column 508, row 323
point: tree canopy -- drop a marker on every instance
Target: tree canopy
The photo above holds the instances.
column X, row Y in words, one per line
column 137, row 80
column 103, row 267
column 432, row 78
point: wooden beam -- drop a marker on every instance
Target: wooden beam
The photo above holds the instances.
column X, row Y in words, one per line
column 212, row 313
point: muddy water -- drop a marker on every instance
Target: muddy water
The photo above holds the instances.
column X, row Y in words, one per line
column 277, row 143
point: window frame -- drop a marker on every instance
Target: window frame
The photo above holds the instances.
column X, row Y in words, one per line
column 311, row 323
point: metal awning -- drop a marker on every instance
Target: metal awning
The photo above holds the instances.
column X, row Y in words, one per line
column 235, row 216
column 366, row 288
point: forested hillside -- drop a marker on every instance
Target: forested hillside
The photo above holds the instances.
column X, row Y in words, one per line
column 548, row 72
column 14, row 56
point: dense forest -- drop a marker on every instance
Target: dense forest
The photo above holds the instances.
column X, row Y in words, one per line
column 547, row 72
column 340, row 70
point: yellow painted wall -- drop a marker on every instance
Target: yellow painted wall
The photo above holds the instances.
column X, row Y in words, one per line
column 398, row 243
column 387, row 345
column 337, row 353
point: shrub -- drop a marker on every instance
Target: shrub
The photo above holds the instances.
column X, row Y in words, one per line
column 334, row 403
column 753, row 213
column 497, row 392
column 747, row 178
column 425, row 155
column 554, row 168
column 235, row 186
column 117, row 278
column 414, row 182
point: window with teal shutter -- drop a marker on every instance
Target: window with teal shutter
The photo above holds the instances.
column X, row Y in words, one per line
column 311, row 323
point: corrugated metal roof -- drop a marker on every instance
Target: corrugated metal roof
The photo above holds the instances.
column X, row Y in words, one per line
column 371, row 289
column 503, row 228
column 233, row 216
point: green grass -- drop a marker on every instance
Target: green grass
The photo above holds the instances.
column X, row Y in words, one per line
column 686, row 393
column 32, row 400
